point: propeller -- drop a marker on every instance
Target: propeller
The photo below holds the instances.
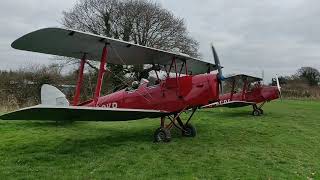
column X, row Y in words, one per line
column 279, row 87
column 217, row 62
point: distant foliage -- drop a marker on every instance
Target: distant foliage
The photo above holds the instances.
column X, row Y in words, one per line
column 22, row 87
column 303, row 84
column 310, row 74
column 282, row 80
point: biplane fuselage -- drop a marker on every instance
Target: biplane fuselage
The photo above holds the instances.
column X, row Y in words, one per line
column 251, row 94
column 170, row 95
column 256, row 95
column 192, row 86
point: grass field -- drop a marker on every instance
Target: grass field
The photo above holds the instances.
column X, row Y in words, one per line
column 231, row 144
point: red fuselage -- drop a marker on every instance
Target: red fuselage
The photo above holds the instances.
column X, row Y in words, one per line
column 257, row 94
column 170, row 95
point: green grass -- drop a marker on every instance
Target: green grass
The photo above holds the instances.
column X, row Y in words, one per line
column 282, row 144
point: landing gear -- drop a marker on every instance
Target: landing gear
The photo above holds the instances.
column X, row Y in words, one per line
column 189, row 131
column 261, row 111
column 257, row 111
column 163, row 134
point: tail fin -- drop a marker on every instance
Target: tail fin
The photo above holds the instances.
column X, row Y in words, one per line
column 50, row 95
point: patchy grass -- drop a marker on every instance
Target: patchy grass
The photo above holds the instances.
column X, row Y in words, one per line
column 231, row 144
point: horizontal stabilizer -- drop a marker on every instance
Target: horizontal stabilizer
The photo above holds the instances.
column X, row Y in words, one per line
column 50, row 95
column 80, row 113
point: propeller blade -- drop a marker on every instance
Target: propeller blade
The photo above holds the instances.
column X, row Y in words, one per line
column 217, row 62
column 279, row 87
column 221, row 87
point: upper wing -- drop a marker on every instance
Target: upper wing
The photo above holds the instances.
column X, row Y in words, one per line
column 80, row 113
column 72, row 43
column 243, row 76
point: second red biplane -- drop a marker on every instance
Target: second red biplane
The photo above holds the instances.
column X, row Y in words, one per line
column 244, row 90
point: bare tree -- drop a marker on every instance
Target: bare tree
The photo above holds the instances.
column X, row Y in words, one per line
column 140, row 21
column 310, row 74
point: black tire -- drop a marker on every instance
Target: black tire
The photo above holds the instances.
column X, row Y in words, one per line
column 256, row 112
column 162, row 135
column 261, row 111
column 190, row 131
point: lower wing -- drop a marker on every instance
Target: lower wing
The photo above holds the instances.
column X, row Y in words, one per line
column 80, row 113
column 229, row 104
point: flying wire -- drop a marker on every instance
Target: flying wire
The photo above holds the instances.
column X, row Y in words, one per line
column 123, row 62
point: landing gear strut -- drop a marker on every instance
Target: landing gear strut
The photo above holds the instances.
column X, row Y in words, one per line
column 257, row 111
column 163, row 134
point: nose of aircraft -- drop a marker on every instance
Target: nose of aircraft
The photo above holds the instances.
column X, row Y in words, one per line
column 278, row 87
column 270, row 93
column 277, row 92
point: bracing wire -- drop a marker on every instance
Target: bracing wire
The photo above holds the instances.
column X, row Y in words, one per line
column 123, row 62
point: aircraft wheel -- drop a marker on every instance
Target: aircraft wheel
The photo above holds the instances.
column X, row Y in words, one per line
column 162, row 135
column 256, row 112
column 261, row 111
column 190, row 131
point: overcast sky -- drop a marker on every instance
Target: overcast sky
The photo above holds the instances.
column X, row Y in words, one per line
column 276, row 36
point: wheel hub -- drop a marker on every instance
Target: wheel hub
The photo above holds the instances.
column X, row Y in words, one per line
column 161, row 136
column 188, row 131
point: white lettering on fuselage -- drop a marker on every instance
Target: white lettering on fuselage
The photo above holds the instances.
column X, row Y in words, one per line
column 224, row 101
column 110, row 105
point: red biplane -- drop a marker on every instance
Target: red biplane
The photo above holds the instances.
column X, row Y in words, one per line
column 244, row 90
column 191, row 87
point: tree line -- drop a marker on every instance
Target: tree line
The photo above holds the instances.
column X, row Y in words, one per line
column 21, row 88
column 305, row 83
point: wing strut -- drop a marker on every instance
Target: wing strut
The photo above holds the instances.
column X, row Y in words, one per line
column 102, row 70
column 232, row 90
column 79, row 81
column 244, row 89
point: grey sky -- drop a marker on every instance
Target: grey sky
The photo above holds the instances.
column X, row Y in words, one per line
column 277, row 36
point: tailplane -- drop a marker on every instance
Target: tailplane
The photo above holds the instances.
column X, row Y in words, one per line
column 51, row 95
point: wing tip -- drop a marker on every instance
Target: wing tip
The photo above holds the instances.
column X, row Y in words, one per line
column 16, row 44
column 4, row 116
